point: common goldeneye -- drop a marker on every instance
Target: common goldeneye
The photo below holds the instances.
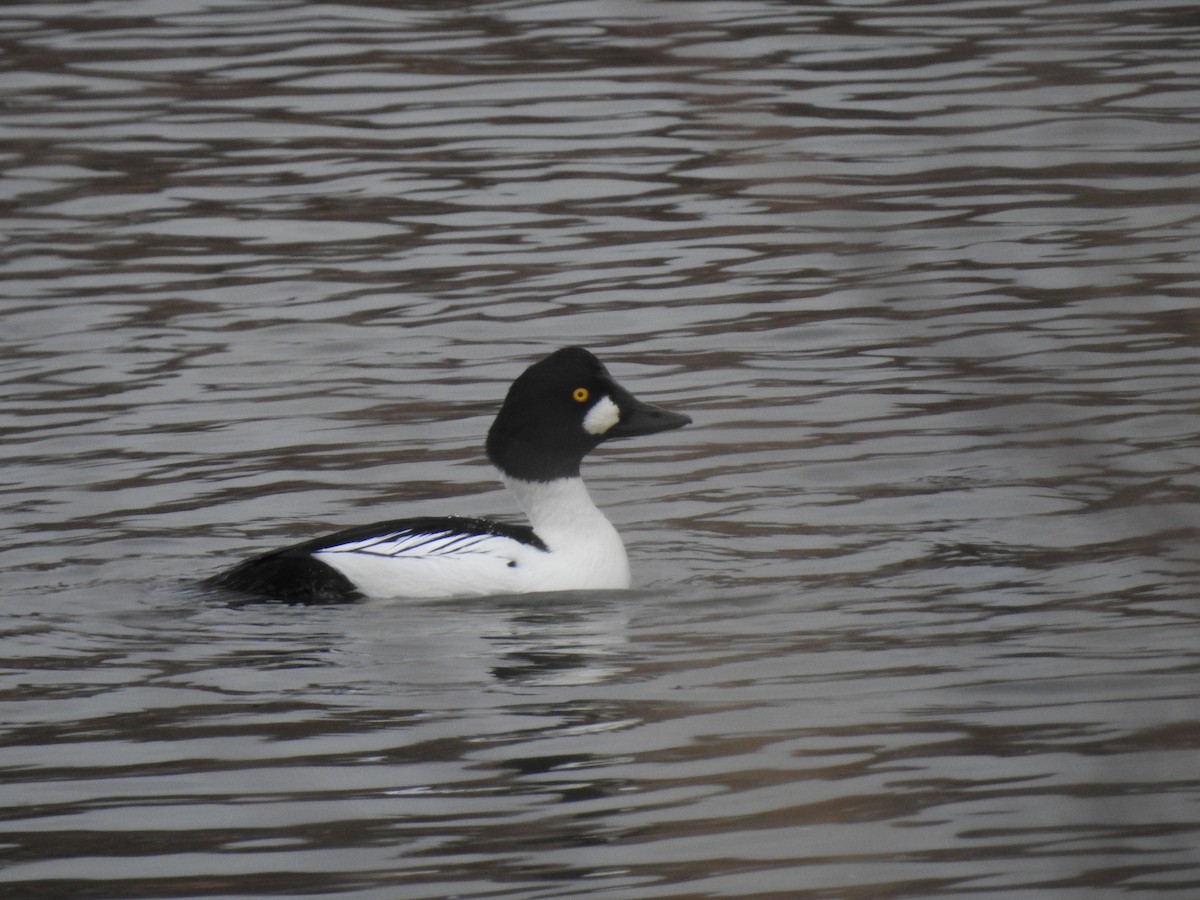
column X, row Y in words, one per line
column 555, row 413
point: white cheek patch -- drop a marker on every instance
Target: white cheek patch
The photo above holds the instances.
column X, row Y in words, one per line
column 602, row 416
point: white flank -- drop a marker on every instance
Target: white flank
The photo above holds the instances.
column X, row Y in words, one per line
column 585, row 552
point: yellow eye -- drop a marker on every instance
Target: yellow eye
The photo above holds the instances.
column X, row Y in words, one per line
column 581, row 395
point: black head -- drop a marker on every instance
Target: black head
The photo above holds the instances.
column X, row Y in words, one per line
column 561, row 408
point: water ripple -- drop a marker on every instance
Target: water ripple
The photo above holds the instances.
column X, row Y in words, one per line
column 915, row 606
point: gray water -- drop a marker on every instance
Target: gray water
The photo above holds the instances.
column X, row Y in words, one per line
column 915, row 611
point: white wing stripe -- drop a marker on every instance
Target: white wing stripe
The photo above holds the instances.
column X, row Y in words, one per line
column 421, row 544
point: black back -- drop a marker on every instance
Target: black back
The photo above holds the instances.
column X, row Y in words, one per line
column 294, row 575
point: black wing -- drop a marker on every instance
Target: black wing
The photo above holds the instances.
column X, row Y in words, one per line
column 294, row 575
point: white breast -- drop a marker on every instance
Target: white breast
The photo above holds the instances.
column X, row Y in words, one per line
column 585, row 550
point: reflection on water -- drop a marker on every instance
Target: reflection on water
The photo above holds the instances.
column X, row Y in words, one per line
column 915, row 613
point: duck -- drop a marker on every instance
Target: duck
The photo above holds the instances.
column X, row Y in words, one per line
column 554, row 414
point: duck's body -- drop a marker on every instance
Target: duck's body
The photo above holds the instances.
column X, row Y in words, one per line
column 557, row 411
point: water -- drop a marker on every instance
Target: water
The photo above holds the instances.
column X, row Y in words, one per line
column 915, row 608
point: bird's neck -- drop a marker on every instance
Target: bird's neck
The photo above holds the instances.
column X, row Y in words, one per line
column 559, row 509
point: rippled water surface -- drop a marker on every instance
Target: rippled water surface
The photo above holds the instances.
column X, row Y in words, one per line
column 915, row 610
